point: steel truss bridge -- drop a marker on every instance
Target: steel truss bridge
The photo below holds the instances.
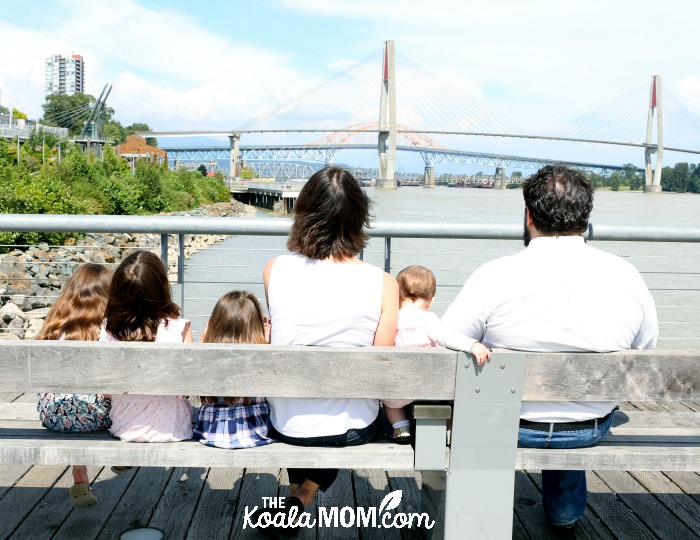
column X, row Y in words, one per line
column 272, row 156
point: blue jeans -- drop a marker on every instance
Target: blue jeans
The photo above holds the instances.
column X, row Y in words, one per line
column 564, row 493
column 325, row 477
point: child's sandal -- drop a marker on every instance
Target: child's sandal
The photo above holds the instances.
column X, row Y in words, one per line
column 82, row 496
column 118, row 469
column 401, row 435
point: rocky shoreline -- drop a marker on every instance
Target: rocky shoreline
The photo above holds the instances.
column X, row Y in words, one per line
column 31, row 279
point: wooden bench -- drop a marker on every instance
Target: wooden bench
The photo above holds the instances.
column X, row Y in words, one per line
column 468, row 488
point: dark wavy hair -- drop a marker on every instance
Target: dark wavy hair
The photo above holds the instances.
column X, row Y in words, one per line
column 560, row 200
column 80, row 309
column 237, row 318
column 139, row 298
column 329, row 216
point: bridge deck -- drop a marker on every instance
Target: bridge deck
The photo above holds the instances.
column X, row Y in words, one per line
column 209, row 503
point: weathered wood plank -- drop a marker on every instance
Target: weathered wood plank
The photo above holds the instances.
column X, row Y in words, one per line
column 50, row 514
column 337, row 496
column 108, row 489
column 9, row 475
column 18, row 411
column 28, row 397
column 409, row 482
column 623, row 376
column 692, row 405
column 213, row 517
column 654, row 515
column 46, row 447
column 178, row 501
column 256, row 485
column 519, row 530
column 143, row 491
column 223, row 369
column 305, row 533
column 672, row 497
column 371, row 486
column 527, row 506
column 24, row 495
column 688, row 482
column 589, row 526
column 613, row 512
column 673, row 422
column 630, row 457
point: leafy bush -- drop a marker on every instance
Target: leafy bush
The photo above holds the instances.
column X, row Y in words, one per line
column 104, row 186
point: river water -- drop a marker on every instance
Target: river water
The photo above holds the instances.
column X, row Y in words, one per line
column 671, row 270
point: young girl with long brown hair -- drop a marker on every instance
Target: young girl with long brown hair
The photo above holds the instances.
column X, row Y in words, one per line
column 77, row 315
column 140, row 308
column 235, row 422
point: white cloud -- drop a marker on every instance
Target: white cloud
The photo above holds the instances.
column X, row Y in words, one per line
column 165, row 69
column 688, row 89
column 539, row 63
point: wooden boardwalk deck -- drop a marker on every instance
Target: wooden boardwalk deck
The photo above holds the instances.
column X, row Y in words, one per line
column 199, row 503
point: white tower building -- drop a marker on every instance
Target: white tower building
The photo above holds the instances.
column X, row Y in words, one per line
column 64, row 74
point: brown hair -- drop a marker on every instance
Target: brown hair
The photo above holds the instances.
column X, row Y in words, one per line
column 416, row 282
column 139, row 298
column 329, row 216
column 237, row 318
column 78, row 312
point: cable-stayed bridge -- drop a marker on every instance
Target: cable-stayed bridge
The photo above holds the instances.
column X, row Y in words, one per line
column 429, row 107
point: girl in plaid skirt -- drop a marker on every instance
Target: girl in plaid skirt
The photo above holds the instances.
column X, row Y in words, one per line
column 235, row 422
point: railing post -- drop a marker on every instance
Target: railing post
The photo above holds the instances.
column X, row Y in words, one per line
column 387, row 254
column 181, row 268
column 164, row 249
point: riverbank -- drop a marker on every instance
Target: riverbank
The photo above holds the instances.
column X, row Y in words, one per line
column 31, row 278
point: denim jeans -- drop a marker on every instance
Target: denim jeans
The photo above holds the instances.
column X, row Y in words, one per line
column 325, row 477
column 564, row 493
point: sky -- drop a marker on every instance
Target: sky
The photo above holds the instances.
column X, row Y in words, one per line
column 220, row 65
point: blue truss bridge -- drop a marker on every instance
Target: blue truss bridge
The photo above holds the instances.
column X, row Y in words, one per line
column 422, row 113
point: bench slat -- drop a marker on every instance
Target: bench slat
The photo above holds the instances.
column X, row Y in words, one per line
column 24, row 445
column 610, row 456
column 622, row 376
column 216, row 369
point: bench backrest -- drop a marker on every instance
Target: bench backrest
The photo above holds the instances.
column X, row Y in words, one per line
column 368, row 372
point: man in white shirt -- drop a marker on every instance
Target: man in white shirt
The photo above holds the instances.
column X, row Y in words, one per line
column 559, row 294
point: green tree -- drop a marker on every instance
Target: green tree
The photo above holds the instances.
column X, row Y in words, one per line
column 202, row 169
column 4, row 110
column 114, row 130
column 676, row 178
column 18, row 114
column 248, row 174
column 139, row 127
column 615, row 181
column 71, row 111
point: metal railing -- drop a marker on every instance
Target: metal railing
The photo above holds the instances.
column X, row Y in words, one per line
column 397, row 241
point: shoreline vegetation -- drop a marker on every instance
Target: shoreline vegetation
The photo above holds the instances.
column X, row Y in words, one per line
column 38, row 183
column 34, row 266
column 31, row 278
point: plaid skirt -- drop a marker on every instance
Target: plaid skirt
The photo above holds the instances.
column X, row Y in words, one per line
column 234, row 426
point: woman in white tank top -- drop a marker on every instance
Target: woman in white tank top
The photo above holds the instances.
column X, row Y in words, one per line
column 323, row 294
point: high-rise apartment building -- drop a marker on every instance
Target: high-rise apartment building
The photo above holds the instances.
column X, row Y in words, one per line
column 64, row 74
